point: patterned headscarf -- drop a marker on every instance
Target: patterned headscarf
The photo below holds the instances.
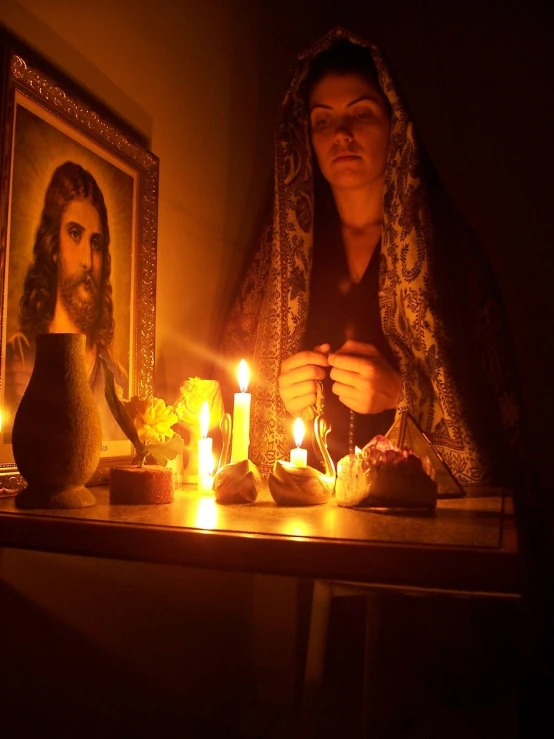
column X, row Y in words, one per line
column 440, row 309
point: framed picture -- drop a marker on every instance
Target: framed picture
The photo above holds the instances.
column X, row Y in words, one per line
column 78, row 227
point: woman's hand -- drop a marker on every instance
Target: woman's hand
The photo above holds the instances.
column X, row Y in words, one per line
column 363, row 379
column 299, row 378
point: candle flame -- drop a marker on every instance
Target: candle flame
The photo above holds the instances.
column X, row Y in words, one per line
column 204, row 419
column 357, row 450
column 243, row 376
column 298, row 432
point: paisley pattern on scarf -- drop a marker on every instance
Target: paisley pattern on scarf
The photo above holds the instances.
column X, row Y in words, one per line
column 457, row 378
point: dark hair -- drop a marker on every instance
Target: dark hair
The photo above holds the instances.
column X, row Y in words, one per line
column 69, row 182
column 343, row 57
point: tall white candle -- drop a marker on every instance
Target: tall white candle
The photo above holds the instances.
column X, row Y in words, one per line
column 298, row 456
column 241, row 417
column 205, row 455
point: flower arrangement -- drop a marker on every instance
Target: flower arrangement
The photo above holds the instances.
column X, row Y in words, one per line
column 193, row 393
column 147, row 423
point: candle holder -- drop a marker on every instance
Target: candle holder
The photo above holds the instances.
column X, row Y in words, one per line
column 194, row 392
column 239, row 482
column 205, row 455
column 302, row 486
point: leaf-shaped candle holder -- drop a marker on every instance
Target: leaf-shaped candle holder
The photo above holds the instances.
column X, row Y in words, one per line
column 234, row 483
column 303, row 486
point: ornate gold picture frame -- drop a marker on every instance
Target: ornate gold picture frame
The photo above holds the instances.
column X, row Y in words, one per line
column 59, row 147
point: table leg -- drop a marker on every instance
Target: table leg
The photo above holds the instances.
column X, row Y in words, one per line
column 315, row 659
column 371, row 642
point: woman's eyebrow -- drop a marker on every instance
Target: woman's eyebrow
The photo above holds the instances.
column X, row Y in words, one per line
column 372, row 97
column 320, row 105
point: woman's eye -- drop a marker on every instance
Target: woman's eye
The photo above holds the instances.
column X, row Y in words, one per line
column 320, row 123
column 364, row 115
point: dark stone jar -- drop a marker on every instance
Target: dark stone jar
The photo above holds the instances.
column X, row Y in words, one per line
column 57, row 434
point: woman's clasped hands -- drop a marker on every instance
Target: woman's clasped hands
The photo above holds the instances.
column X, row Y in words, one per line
column 362, row 378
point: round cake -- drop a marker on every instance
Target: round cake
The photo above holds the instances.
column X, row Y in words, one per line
column 147, row 485
column 382, row 476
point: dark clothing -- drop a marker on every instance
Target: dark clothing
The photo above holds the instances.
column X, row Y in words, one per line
column 439, row 308
column 339, row 310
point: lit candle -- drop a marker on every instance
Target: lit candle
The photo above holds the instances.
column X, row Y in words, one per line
column 205, row 456
column 298, row 456
column 241, row 417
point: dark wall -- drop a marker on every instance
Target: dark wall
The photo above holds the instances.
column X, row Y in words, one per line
column 478, row 81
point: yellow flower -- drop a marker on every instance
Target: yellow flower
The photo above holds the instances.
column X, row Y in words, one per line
column 153, row 421
column 193, row 393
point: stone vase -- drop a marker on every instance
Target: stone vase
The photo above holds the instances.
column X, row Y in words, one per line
column 57, row 434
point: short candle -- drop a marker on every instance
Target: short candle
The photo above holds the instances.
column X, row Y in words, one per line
column 298, row 456
column 241, row 417
column 205, row 456
column 206, row 482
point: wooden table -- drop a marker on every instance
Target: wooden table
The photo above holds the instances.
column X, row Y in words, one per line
column 466, row 545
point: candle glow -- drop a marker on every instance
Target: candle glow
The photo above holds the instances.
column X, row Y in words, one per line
column 243, row 375
column 241, row 417
column 204, row 420
column 205, row 456
column 298, row 456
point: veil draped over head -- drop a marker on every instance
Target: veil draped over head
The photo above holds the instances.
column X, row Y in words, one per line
column 440, row 309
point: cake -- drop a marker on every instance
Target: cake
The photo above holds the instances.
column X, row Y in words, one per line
column 146, row 485
column 383, row 476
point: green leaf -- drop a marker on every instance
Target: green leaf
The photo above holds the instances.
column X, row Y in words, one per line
column 120, row 413
column 166, row 451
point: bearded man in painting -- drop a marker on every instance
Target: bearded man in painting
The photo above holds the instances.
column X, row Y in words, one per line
column 67, row 288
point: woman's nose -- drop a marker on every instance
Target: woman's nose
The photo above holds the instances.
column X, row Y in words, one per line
column 343, row 131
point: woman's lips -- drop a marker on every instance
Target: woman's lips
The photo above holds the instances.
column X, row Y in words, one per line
column 345, row 157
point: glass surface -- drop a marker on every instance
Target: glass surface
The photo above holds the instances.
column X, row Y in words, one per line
column 473, row 521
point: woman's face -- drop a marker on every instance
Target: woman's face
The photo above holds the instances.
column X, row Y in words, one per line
column 350, row 127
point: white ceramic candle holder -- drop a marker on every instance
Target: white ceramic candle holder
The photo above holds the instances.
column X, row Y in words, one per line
column 302, row 486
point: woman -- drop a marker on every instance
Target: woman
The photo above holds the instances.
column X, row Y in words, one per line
column 349, row 120
column 370, row 282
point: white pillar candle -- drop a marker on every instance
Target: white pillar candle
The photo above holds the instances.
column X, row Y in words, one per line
column 298, row 456
column 206, row 481
column 241, row 417
column 205, row 455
